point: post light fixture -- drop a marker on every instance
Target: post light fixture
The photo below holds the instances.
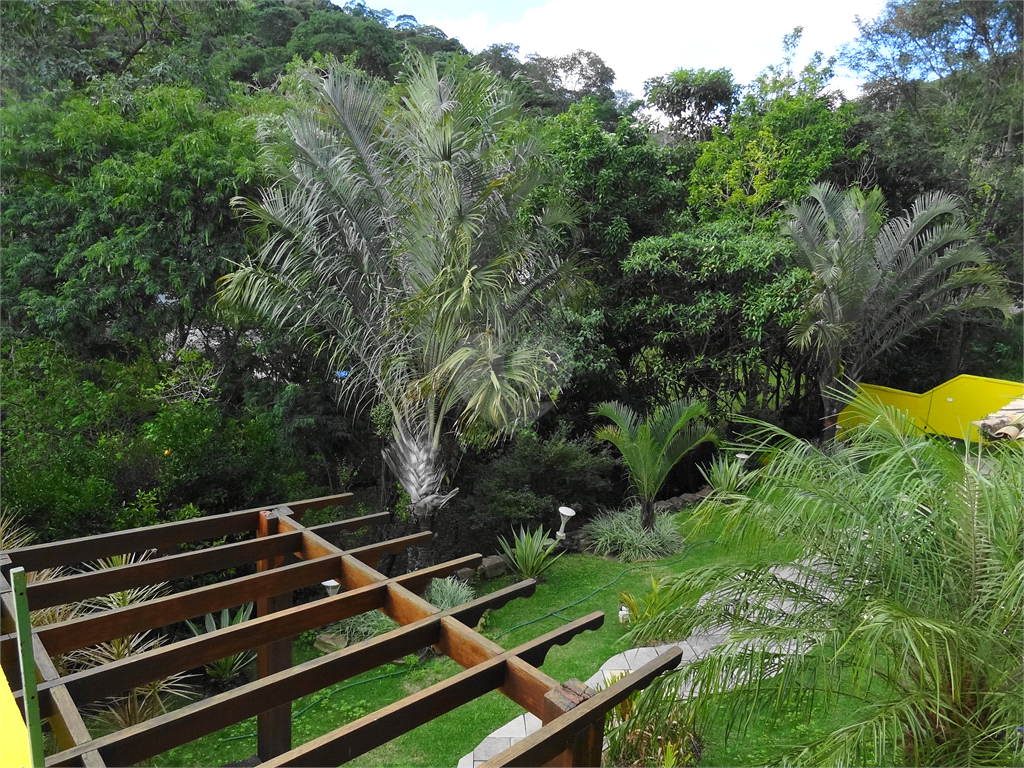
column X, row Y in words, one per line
column 742, row 456
column 332, row 586
column 566, row 513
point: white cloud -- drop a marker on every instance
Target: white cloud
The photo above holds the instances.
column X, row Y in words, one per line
column 647, row 38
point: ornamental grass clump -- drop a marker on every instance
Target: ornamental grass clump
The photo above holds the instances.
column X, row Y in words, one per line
column 619, row 534
column 528, row 556
column 449, row 593
column 652, row 727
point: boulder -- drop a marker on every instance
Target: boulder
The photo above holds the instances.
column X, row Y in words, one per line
column 465, row 575
column 329, row 643
column 703, row 492
column 492, row 567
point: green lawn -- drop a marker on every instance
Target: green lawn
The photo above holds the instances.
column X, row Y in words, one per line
column 592, row 583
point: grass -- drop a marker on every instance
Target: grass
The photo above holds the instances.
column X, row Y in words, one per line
column 445, row 740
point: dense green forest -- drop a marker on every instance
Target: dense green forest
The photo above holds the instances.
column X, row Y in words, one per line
column 656, row 236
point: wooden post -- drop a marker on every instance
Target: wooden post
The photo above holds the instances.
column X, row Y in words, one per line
column 585, row 747
column 30, row 700
column 273, row 727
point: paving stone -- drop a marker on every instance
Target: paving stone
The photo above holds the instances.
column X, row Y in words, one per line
column 533, row 723
column 637, row 657
column 490, row 747
column 618, row 661
column 466, row 761
column 516, row 728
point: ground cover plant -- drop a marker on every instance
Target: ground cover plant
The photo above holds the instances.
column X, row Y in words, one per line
column 619, row 534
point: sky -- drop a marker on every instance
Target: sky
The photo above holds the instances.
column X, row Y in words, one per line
column 645, row 38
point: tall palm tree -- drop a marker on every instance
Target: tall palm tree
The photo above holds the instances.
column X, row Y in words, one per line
column 886, row 571
column 877, row 281
column 651, row 447
column 395, row 243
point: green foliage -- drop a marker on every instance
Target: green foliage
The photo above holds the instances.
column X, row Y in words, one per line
column 653, row 727
column 711, row 306
column 363, row 626
column 787, row 131
column 696, row 101
column 902, row 585
column 228, row 668
column 449, row 593
column 620, row 534
column 527, row 482
column 651, row 447
column 528, row 555
column 117, row 223
column 876, row 280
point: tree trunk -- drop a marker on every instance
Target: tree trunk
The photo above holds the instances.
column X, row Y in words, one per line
column 647, row 514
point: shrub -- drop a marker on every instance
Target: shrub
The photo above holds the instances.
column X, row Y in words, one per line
column 228, row 668
column 619, row 534
column 653, row 727
column 363, row 626
column 528, row 555
column 448, row 593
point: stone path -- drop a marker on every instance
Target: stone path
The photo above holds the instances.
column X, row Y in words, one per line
column 693, row 648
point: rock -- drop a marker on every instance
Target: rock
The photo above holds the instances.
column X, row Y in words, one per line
column 328, row 643
column 704, row 492
column 663, row 507
column 492, row 567
column 686, row 499
column 465, row 575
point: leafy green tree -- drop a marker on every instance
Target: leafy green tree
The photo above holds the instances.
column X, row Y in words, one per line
column 651, row 447
column 696, row 101
column 116, row 217
column 877, row 281
column 941, row 110
column 393, row 243
column 885, row 570
column 786, row 132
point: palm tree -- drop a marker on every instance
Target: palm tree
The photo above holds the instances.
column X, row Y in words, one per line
column 395, row 243
column 886, row 571
column 876, row 282
column 651, row 447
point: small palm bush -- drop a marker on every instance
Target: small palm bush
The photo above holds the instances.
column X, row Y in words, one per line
column 653, row 727
column 528, row 555
column 448, row 593
column 619, row 534
column 231, row 666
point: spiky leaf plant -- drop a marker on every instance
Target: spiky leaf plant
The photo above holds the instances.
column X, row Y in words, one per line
column 897, row 579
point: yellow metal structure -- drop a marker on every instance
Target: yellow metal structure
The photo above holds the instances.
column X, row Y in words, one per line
column 949, row 408
column 14, row 751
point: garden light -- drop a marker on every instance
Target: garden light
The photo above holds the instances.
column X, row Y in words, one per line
column 566, row 513
column 332, row 586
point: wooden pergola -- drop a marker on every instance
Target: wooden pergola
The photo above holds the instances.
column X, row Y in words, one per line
column 288, row 556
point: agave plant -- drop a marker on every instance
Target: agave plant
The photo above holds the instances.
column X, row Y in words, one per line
column 528, row 555
column 226, row 669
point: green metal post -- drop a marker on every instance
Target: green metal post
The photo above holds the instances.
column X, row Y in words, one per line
column 28, row 667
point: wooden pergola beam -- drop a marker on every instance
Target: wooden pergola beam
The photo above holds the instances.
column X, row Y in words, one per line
column 366, row 733
column 90, row 685
column 100, row 627
column 550, row 741
column 70, row 589
column 164, row 536
column 140, row 742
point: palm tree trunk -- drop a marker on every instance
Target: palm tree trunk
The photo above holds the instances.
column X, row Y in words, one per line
column 647, row 514
column 417, row 462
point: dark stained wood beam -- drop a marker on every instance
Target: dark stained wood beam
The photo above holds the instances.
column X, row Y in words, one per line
column 164, row 732
column 88, row 548
column 69, row 589
column 93, row 684
column 366, row 733
column 551, row 740
column 132, row 619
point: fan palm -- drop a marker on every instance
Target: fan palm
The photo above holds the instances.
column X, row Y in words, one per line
column 651, row 447
column 877, row 281
column 396, row 244
column 887, row 569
